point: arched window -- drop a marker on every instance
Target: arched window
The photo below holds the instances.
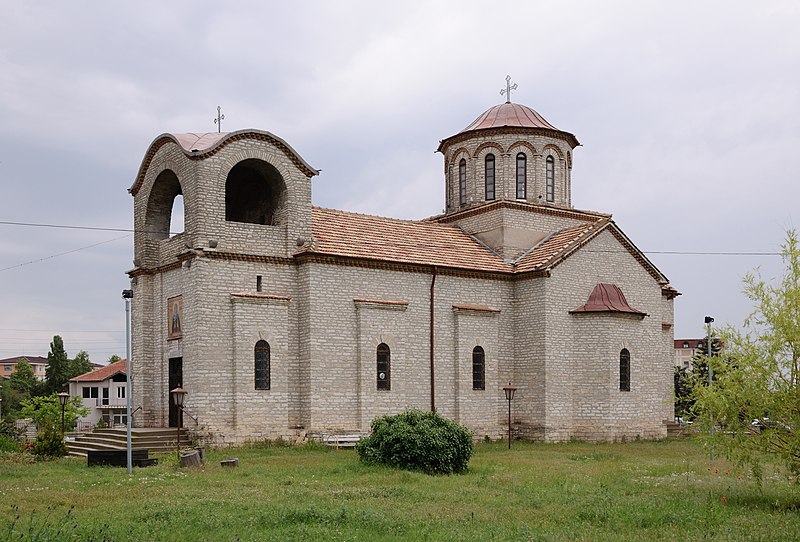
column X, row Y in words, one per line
column 522, row 176
column 478, row 368
column 624, row 370
column 489, row 170
column 384, row 367
column 462, row 182
column 262, row 365
column 255, row 193
column 550, row 179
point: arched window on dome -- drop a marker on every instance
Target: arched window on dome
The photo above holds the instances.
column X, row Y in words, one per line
column 478, row 368
column 624, row 370
column 522, row 175
column 489, row 174
column 550, row 177
column 462, row 182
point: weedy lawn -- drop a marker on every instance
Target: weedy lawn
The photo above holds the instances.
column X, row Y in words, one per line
column 666, row 490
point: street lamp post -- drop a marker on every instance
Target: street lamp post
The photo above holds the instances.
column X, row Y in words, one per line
column 708, row 321
column 127, row 295
column 178, row 395
column 509, row 396
column 62, row 399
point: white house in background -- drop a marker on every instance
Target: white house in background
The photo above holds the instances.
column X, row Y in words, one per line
column 103, row 391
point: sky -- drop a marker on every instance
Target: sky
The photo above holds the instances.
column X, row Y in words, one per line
column 688, row 114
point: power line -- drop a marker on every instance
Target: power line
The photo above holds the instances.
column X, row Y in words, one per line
column 398, row 245
column 63, row 330
column 63, row 253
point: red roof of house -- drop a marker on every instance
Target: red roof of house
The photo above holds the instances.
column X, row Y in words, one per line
column 31, row 359
column 104, row 373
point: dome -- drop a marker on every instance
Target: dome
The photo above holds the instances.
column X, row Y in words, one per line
column 514, row 117
column 511, row 115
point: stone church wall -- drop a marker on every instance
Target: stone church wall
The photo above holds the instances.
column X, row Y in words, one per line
column 583, row 350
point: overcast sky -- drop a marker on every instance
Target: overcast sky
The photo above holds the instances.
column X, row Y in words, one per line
column 687, row 113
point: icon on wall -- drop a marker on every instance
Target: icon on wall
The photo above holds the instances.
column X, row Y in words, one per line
column 175, row 317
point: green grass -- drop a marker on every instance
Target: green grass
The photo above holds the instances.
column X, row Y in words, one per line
column 570, row 491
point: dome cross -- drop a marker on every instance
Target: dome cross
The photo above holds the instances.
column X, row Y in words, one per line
column 508, row 89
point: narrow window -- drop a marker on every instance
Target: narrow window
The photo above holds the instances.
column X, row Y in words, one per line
column 489, row 177
column 258, row 283
column 550, row 179
column 462, row 182
column 478, row 368
column 86, row 393
column 384, row 367
column 262, row 365
column 624, row 370
column 522, row 176
column 120, row 393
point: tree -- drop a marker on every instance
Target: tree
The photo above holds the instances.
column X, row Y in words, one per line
column 686, row 379
column 113, row 359
column 20, row 386
column 80, row 364
column 46, row 410
column 58, row 367
column 761, row 379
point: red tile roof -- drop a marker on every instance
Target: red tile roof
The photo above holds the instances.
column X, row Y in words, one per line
column 433, row 243
column 420, row 242
column 101, row 374
column 558, row 245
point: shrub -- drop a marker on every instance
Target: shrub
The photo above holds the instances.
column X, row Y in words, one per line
column 8, row 444
column 49, row 442
column 417, row 440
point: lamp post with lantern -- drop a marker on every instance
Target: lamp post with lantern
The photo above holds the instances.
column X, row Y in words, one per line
column 509, row 390
column 178, row 395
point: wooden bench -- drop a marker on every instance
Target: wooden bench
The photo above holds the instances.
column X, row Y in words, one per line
column 140, row 457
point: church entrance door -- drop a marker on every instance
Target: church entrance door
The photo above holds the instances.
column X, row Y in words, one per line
column 175, row 381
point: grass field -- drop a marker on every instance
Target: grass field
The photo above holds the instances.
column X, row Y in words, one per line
column 666, row 490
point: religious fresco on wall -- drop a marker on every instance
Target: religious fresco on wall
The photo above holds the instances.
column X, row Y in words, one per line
column 174, row 318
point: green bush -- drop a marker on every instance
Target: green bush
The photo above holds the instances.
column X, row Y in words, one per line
column 417, row 440
column 49, row 442
column 8, row 444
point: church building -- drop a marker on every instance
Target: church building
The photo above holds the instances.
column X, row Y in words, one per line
column 280, row 318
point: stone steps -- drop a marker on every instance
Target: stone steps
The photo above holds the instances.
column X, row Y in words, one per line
column 156, row 440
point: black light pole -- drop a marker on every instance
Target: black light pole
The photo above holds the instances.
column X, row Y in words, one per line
column 177, row 396
column 509, row 397
column 62, row 399
column 708, row 321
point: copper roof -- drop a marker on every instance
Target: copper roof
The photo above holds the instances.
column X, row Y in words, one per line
column 202, row 145
column 607, row 298
column 509, row 117
column 509, row 114
column 103, row 373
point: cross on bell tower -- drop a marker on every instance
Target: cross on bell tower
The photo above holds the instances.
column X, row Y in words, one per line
column 508, row 89
column 220, row 118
